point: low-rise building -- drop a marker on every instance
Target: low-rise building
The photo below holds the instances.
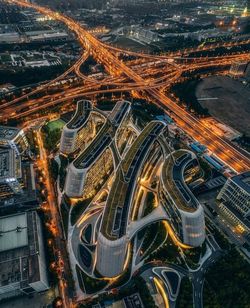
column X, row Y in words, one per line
column 23, row 268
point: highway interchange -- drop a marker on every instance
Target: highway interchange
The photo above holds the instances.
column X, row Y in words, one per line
column 106, row 55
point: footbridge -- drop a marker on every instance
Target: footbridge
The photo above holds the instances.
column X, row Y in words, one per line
column 158, row 214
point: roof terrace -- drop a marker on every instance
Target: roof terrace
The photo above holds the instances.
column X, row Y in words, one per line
column 104, row 137
column 96, row 147
column 118, row 112
column 172, row 176
column 81, row 115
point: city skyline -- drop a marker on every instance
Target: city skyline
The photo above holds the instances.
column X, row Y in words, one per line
column 124, row 153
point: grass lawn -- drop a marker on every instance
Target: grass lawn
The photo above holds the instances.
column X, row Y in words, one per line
column 56, row 124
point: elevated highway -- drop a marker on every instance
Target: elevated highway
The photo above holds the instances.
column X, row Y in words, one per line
column 186, row 121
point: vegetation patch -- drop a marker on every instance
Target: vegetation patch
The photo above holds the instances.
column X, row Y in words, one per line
column 89, row 284
column 52, row 134
column 228, row 281
column 155, row 236
column 185, row 297
column 168, row 252
column 186, row 93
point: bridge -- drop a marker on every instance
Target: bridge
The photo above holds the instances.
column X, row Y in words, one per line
column 158, row 214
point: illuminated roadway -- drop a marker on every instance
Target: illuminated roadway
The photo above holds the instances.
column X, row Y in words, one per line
column 195, row 128
column 18, row 109
column 60, row 247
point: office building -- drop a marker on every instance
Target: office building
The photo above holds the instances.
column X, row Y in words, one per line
column 79, row 130
column 14, row 138
column 176, row 202
column 235, row 194
column 113, row 238
column 234, row 204
column 25, row 197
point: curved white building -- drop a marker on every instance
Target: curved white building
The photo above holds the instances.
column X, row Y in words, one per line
column 73, row 137
column 111, row 255
column 185, row 212
column 113, row 240
column 88, row 172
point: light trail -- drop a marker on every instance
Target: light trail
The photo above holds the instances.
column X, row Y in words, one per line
column 174, row 238
column 160, row 288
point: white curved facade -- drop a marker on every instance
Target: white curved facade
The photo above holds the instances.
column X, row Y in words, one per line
column 185, row 212
column 72, row 136
column 193, row 227
column 74, row 181
column 68, row 139
column 111, row 255
column 114, row 235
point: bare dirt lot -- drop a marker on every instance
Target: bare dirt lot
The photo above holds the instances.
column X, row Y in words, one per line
column 230, row 103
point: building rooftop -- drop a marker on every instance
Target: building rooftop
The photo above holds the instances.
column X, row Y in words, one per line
column 118, row 112
column 116, row 212
column 19, row 249
column 173, row 179
column 150, row 132
column 244, row 220
column 8, row 133
column 28, row 199
column 81, row 115
column 13, row 232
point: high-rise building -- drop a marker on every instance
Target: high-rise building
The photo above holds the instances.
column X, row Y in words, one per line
column 235, row 194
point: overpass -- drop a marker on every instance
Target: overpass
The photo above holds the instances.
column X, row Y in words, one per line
column 193, row 126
